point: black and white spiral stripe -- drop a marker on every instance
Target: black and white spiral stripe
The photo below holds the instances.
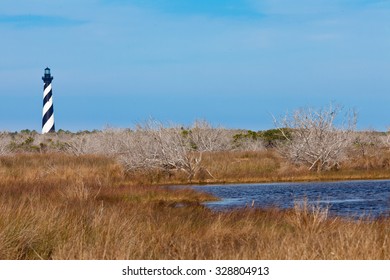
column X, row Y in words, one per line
column 48, row 111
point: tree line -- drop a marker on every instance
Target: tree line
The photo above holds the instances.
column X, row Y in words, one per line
column 320, row 139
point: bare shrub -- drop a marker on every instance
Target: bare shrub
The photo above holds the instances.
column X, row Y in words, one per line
column 5, row 140
column 366, row 143
column 206, row 138
column 168, row 148
column 135, row 149
column 85, row 143
column 177, row 150
column 112, row 141
column 313, row 139
column 23, row 142
column 155, row 146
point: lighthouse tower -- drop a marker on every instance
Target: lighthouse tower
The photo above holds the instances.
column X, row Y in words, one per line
column 48, row 111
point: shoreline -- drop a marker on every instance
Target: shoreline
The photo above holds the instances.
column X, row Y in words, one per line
column 87, row 208
column 263, row 182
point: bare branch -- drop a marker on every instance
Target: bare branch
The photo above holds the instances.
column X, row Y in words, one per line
column 314, row 139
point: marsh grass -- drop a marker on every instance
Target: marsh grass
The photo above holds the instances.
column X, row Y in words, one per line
column 85, row 208
column 263, row 166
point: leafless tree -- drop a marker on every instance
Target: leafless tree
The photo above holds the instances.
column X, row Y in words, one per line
column 312, row 137
column 135, row 149
column 177, row 151
column 206, row 138
column 85, row 143
column 366, row 143
column 112, row 141
column 169, row 148
column 154, row 145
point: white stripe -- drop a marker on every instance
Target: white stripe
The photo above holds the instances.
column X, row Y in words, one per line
column 49, row 124
column 47, row 106
column 47, row 90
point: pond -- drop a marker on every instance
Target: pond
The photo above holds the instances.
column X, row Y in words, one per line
column 346, row 198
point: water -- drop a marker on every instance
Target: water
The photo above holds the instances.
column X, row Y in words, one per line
column 347, row 198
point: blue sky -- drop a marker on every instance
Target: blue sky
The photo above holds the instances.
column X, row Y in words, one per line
column 232, row 62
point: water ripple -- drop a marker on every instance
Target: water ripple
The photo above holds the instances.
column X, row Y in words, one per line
column 347, row 198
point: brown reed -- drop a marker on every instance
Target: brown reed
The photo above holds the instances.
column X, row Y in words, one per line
column 86, row 208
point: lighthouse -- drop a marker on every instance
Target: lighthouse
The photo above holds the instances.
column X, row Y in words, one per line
column 48, row 111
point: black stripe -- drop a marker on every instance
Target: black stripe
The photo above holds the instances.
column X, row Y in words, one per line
column 47, row 97
column 52, row 129
column 47, row 116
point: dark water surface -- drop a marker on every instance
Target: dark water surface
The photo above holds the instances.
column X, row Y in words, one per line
column 347, row 198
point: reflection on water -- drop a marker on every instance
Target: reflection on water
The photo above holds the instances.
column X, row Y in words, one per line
column 348, row 198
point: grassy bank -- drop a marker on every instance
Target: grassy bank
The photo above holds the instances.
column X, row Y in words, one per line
column 64, row 207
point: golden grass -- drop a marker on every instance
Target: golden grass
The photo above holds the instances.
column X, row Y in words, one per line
column 264, row 166
column 63, row 207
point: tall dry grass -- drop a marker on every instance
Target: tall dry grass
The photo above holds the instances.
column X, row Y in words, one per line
column 63, row 207
column 267, row 166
